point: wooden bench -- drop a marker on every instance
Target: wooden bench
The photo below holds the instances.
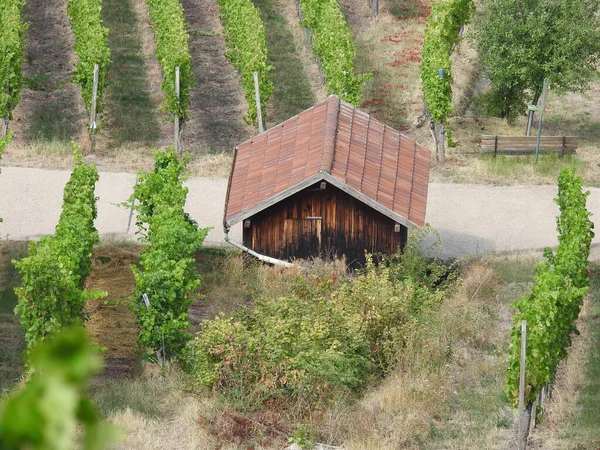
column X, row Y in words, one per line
column 525, row 145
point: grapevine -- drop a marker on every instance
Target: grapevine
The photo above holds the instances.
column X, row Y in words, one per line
column 555, row 300
column 335, row 48
column 91, row 47
column 172, row 44
column 247, row 50
column 166, row 272
column 12, row 35
column 52, row 294
column 443, row 28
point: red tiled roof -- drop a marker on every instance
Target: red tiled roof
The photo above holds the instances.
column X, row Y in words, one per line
column 336, row 142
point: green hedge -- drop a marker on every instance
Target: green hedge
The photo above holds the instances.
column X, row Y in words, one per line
column 172, row 44
column 12, row 35
column 553, row 306
column 335, row 48
column 52, row 293
column 91, row 47
column 247, row 50
column 167, row 271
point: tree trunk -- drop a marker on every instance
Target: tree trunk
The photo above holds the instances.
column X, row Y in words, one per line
column 536, row 97
column 442, row 144
column 435, row 138
column 4, row 127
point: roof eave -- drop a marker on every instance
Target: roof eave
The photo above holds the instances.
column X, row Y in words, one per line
column 320, row 176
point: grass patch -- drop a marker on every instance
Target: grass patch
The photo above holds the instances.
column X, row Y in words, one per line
column 50, row 122
column 11, row 334
column 292, row 93
column 129, row 110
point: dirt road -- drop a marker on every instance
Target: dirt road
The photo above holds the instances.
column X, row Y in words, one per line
column 471, row 219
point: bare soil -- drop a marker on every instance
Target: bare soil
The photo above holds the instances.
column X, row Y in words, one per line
column 217, row 103
column 111, row 323
column 53, row 109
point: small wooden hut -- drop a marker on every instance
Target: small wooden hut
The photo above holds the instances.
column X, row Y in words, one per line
column 331, row 181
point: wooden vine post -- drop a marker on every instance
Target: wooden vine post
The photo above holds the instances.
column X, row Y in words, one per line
column 176, row 141
column 261, row 128
column 93, row 108
column 523, row 421
column 4, row 127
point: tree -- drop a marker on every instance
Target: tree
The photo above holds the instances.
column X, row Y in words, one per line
column 521, row 42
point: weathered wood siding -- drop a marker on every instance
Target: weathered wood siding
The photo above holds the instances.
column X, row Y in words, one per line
column 292, row 228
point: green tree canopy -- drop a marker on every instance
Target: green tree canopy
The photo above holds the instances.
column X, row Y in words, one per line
column 521, row 42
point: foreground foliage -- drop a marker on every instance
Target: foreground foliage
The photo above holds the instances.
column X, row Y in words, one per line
column 561, row 284
column 45, row 413
column 327, row 336
column 247, row 50
column 52, row 293
column 91, row 47
column 166, row 272
column 12, row 36
column 334, row 47
column 172, row 50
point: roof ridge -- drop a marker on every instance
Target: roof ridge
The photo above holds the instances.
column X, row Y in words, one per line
column 329, row 133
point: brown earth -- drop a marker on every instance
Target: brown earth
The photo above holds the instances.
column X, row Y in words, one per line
column 217, row 103
column 54, row 108
column 111, row 323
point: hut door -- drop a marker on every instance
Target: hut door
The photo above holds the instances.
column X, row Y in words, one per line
column 303, row 237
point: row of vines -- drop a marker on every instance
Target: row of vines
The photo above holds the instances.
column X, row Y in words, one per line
column 52, row 293
column 334, row 47
column 443, row 29
column 172, row 43
column 247, row 50
column 12, row 35
column 91, row 47
column 553, row 306
column 166, row 276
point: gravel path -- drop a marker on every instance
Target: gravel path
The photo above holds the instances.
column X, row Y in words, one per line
column 471, row 219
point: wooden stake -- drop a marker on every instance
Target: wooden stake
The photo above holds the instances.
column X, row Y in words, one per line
column 93, row 108
column 176, row 143
column 4, row 127
column 261, row 128
column 522, row 438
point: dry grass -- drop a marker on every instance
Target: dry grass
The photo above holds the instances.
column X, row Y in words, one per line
column 433, row 402
column 57, row 155
column 156, row 413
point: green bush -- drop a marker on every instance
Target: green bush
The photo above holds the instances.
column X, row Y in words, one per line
column 53, row 275
column 166, row 272
column 12, row 36
column 555, row 300
column 91, row 47
column 324, row 338
column 247, row 50
column 172, row 50
column 335, row 48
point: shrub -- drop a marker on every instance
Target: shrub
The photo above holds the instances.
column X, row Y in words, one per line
column 166, row 272
column 53, row 275
column 324, row 338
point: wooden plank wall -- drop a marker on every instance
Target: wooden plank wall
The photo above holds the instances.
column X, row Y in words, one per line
column 292, row 228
